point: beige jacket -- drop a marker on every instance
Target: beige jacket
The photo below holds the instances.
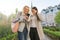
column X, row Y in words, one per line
column 22, row 22
column 39, row 27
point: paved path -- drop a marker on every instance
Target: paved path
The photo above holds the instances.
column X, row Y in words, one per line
column 47, row 38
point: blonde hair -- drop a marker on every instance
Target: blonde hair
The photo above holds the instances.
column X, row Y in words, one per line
column 26, row 6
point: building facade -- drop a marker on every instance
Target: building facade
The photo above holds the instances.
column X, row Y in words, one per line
column 49, row 15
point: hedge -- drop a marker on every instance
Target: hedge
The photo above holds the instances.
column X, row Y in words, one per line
column 53, row 28
column 53, row 33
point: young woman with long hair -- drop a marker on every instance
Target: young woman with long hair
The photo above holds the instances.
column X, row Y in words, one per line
column 36, row 32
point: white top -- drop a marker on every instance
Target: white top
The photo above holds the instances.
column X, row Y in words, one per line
column 33, row 21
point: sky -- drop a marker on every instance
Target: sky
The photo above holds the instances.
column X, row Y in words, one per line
column 8, row 7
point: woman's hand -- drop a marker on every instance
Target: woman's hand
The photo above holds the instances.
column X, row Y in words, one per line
column 26, row 17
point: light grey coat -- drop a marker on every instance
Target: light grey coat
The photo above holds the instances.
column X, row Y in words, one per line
column 20, row 15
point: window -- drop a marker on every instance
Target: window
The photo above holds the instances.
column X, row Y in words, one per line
column 58, row 7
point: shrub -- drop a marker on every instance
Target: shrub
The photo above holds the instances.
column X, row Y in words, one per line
column 53, row 33
column 53, row 28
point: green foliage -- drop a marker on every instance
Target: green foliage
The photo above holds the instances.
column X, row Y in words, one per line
column 16, row 10
column 3, row 19
column 5, row 27
column 57, row 18
column 11, row 17
column 6, row 33
column 53, row 28
column 53, row 33
column 9, row 37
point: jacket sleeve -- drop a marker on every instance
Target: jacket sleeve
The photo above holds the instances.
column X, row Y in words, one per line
column 40, row 17
column 19, row 18
column 29, row 19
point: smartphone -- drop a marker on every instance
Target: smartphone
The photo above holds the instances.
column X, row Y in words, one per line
column 28, row 15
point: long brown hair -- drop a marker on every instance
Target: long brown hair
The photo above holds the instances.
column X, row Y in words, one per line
column 36, row 12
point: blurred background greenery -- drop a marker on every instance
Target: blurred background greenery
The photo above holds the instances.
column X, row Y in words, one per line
column 5, row 27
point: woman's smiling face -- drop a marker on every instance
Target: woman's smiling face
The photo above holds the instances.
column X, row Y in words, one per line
column 34, row 11
column 26, row 9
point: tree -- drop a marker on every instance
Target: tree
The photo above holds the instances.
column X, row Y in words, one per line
column 3, row 19
column 57, row 18
column 11, row 17
column 16, row 10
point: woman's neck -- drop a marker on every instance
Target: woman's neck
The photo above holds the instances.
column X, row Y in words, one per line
column 34, row 14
